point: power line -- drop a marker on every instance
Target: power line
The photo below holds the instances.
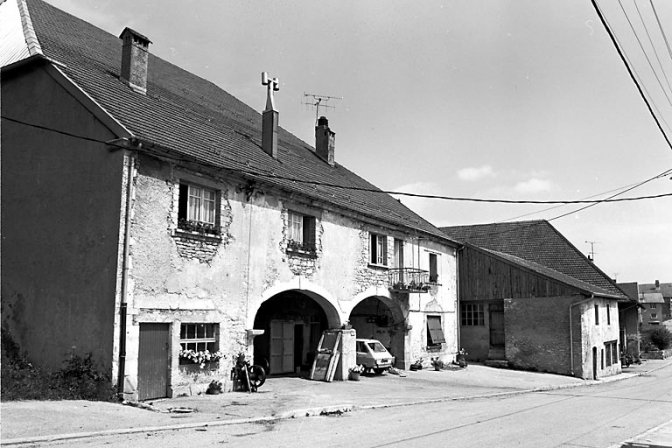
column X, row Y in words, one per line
column 655, row 52
column 662, row 31
column 664, row 173
column 610, row 198
column 642, row 47
column 627, row 66
column 375, row 190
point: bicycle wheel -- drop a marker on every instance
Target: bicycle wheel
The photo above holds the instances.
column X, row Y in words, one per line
column 257, row 376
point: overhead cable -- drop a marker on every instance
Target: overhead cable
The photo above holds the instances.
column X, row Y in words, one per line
column 273, row 176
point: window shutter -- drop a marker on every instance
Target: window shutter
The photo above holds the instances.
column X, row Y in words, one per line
column 435, row 330
column 309, row 230
column 373, row 249
column 183, row 202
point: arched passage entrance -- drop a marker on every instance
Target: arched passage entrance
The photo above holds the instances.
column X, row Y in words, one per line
column 293, row 322
column 380, row 318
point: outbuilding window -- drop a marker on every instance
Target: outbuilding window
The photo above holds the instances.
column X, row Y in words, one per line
column 472, row 314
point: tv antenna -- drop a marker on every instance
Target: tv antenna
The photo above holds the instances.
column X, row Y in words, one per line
column 319, row 101
column 591, row 254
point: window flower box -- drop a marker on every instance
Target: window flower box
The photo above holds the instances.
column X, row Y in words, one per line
column 299, row 248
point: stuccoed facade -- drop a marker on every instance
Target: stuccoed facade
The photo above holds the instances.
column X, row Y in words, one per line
column 179, row 277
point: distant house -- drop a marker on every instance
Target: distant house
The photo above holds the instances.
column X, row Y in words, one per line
column 653, row 309
column 665, row 289
column 529, row 298
column 148, row 216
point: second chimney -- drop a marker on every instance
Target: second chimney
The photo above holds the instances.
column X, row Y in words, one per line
column 325, row 141
column 134, row 57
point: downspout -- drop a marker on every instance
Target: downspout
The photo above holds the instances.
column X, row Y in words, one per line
column 123, row 307
column 458, row 318
column 571, row 333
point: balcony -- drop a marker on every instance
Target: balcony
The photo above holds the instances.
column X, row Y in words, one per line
column 411, row 280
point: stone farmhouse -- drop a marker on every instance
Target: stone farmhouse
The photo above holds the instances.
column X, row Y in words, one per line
column 531, row 300
column 149, row 215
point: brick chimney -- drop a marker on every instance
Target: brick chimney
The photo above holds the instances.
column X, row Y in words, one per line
column 134, row 56
column 325, row 141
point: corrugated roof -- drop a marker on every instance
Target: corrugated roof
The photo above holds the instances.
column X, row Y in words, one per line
column 538, row 242
column 197, row 119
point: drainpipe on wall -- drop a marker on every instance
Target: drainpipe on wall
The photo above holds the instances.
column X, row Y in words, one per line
column 458, row 306
column 571, row 334
column 124, row 278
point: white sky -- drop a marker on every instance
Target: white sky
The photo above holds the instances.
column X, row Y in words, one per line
column 524, row 100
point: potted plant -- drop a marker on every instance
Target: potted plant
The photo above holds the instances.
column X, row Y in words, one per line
column 460, row 358
column 437, row 363
column 355, row 372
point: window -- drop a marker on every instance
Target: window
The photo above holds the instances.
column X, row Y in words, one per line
column 197, row 337
column 472, row 314
column 433, row 268
column 652, row 306
column 654, row 315
column 611, row 349
column 301, row 232
column 608, row 314
column 378, row 249
column 597, row 314
column 197, row 210
column 434, row 332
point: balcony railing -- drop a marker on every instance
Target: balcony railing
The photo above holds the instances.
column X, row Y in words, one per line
column 411, row 280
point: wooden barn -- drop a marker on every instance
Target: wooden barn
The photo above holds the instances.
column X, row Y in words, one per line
column 518, row 307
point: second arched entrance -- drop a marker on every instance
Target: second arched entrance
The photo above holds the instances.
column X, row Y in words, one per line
column 378, row 318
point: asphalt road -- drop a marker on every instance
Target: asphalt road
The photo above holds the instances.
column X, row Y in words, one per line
column 595, row 416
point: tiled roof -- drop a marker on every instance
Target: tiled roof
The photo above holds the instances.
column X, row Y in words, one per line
column 195, row 118
column 538, row 242
column 651, row 297
column 664, row 288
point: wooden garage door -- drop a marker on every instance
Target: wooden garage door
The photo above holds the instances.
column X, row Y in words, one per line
column 282, row 346
column 153, row 361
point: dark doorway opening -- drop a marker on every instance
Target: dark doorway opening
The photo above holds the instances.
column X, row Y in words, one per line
column 293, row 324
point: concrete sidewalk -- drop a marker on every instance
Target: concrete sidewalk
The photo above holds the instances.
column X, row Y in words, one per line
column 40, row 421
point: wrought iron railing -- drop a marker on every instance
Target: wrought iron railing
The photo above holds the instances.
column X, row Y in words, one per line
column 411, row 280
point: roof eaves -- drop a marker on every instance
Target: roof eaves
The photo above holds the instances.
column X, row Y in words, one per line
column 549, row 273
